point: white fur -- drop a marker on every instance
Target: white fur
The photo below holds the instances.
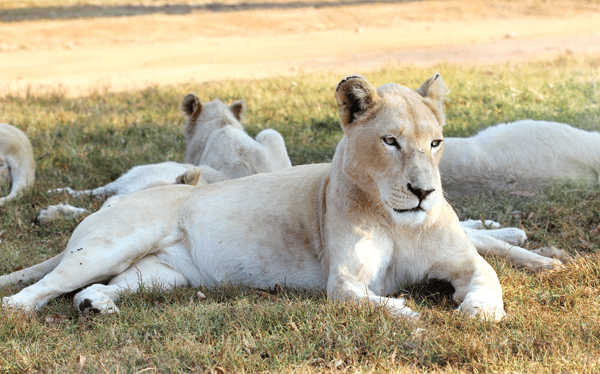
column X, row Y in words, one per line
column 519, row 155
column 504, row 243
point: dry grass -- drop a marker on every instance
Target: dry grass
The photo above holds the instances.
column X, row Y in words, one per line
column 553, row 321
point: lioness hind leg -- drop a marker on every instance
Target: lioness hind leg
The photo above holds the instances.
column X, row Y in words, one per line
column 148, row 272
column 518, row 256
column 511, row 235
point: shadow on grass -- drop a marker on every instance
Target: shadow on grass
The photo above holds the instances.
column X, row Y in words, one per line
column 92, row 11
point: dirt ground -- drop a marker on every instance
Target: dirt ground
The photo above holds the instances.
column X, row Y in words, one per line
column 127, row 52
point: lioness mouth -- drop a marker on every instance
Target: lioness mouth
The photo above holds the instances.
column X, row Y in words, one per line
column 415, row 209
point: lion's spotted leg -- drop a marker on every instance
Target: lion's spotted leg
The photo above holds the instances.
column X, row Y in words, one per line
column 87, row 260
column 147, row 272
column 78, row 267
column 518, row 256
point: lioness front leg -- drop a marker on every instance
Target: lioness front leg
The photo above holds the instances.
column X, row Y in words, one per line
column 358, row 272
column 346, row 287
column 476, row 285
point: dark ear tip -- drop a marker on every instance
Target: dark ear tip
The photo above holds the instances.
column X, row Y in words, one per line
column 189, row 103
column 356, row 76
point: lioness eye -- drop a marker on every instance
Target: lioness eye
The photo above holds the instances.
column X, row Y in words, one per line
column 389, row 140
column 436, row 143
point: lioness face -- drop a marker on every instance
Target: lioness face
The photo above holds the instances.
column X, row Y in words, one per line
column 396, row 144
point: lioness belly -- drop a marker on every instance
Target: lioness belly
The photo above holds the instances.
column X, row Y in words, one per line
column 259, row 231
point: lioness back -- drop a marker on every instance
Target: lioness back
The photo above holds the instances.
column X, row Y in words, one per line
column 260, row 230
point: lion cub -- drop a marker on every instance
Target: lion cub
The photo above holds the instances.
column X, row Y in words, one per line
column 360, row 227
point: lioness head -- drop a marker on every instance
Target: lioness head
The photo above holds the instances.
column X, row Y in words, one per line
column 202, row 119
column 393, row 144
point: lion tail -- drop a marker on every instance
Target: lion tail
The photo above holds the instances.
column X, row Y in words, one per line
column 34, row 272
column 22, row 174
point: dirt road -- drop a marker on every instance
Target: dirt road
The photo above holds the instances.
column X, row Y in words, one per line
column 121, row 53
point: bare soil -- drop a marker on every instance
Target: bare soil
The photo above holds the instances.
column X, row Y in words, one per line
column 116, row 52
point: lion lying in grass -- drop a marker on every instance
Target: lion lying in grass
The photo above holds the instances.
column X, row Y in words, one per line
column 372, row 220
column 17, row 165
column 520, row 155
column 215, row 137
column 216, row 142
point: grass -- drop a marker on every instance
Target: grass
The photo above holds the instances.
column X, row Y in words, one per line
column 553, row 322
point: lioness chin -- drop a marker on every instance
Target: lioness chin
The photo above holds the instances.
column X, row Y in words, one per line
column 360, row 227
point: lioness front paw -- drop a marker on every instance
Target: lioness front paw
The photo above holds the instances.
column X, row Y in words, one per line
column 398, row 308
column 481, row 308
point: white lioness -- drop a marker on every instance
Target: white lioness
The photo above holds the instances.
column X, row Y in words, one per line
column 215, row 142
column 216, row 138
column 520, row 155
column 17, row 165
column 373, row 219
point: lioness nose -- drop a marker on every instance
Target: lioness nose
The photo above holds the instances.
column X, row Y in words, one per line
column 418, row 192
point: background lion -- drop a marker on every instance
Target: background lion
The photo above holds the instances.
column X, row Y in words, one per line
column 217, row 149
column 17, row 165
column 520, row 155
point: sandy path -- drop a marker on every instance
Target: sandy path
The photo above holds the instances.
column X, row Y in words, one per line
column 133, row 52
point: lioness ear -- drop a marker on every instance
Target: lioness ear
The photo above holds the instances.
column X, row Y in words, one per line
column 238, row 108
column 354, row 96
column 191, row 177
column 191, row 106
column 434, row 91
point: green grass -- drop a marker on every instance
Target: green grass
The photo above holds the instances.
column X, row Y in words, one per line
column 553, row 322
